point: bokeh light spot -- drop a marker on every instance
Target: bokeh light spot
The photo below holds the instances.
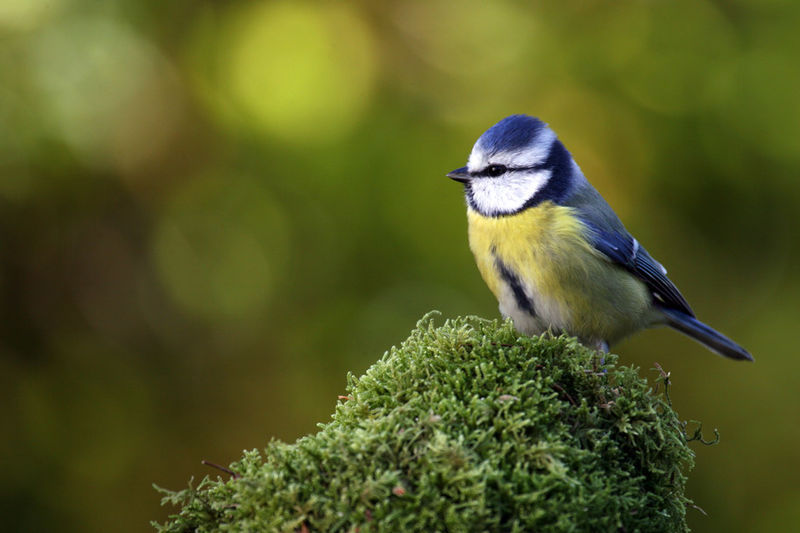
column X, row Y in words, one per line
column 27, row 14
column 300, row 71
column 487, row 36
column 469, row 55
column 98, row 79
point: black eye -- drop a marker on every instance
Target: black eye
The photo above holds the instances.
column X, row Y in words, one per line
column 495, row 170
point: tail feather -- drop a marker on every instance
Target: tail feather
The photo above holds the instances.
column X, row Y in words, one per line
column 711, row 339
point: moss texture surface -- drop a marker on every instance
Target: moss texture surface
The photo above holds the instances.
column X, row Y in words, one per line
column 467, row 427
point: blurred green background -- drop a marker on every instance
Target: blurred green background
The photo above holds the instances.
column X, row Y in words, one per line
column 210, row 212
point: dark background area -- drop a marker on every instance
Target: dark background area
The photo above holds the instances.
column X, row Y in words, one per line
column 210, row 212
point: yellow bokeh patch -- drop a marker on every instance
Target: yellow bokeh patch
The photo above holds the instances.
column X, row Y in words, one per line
column 300, row 72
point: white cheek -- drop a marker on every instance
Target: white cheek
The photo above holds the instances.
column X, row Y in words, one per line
column 506, row 194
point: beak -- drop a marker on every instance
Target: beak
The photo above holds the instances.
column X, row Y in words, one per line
column 460, row 174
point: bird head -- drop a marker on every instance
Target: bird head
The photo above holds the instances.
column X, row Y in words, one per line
column 515, row 164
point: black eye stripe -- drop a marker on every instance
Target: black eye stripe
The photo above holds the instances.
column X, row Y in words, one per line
column 492, row 171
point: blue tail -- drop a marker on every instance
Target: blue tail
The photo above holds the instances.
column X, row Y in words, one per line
column 711, row 339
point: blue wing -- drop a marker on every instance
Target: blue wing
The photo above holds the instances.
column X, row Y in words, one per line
column 622, row 249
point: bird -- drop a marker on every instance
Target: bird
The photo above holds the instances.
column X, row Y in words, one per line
column 554, row 253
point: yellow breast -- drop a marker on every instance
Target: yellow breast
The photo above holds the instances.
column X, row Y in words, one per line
column 572, row 287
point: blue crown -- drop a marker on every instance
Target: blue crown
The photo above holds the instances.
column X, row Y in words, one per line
column 511, row 133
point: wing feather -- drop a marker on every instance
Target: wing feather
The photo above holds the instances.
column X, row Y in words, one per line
column 622, row 249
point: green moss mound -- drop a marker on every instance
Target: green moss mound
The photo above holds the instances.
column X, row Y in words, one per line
column 467, row 427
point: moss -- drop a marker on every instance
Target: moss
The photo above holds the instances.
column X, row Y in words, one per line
column 467, row 427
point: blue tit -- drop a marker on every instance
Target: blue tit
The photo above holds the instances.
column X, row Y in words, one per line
column 553, row 251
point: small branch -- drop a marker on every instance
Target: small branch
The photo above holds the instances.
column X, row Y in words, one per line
column 663, row 377
column 559, row 388
column 228, row 471
column 697, row 507
column 697, row 435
